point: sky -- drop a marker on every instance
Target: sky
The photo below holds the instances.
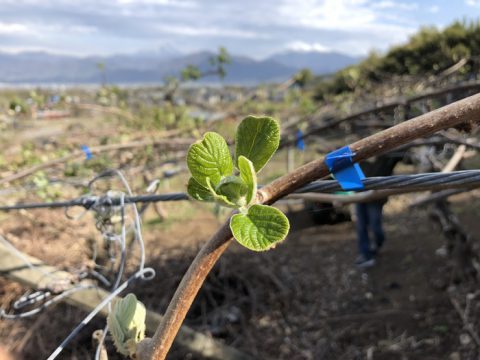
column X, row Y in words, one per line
column 256, row 28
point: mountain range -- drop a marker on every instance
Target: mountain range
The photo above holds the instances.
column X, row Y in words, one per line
column 152, row 67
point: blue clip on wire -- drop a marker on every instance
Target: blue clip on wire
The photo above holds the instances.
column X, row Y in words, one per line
column 346, row 172
column 88, row 153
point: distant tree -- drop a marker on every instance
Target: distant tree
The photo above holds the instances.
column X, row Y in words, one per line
column 193, row 73
column 218, row 62
column 103, row 73
column 171, row 86
column 302, row 78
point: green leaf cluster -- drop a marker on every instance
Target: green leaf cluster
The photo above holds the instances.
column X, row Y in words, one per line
column 220, row 60
column 191, row 72
column 216, row 177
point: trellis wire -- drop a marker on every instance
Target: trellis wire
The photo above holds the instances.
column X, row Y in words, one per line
column 414, row 181
column 409, row 182
column 46, row 304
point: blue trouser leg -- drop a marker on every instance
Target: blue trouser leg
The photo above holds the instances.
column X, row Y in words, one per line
column 362, row 230
column 375, row 220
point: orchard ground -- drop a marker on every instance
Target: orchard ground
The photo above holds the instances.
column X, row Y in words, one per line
column 302, row 300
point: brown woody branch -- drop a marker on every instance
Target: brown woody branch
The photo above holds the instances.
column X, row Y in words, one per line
column 465, row 113
column 392, row 104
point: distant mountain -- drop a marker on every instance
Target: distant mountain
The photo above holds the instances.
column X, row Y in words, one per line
column 153, row 67
column 319, row 62
column 42, row 67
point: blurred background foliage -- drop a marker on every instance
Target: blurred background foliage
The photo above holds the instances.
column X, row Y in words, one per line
column 427, row 52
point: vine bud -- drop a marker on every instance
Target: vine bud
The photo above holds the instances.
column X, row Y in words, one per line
column 126, row 323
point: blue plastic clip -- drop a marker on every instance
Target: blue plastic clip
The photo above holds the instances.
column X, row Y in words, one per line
column 88, row 153
column 346, row 172
column 299, row 142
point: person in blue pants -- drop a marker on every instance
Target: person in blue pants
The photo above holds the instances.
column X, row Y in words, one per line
column 370, row 214
column 369, row 220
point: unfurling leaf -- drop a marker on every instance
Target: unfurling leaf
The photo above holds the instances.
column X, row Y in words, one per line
column 257, row 139
column 234, row 189
column 209, row 158
column 126, row 323
column 197, row 191
column 261, row 228
column 249, row 177
column 219, row 198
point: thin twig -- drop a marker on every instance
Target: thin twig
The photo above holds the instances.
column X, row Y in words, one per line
column 177, row 144
column 466, row 324
column 455, row 159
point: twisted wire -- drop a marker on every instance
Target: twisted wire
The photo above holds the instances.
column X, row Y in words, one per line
column 415, row 181
column 465, row 178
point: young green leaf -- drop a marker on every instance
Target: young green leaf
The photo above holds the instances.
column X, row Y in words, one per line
column 261, row 228
column 197, row 191
column 234, row 189
column 249, row 177
column 209, row 158
column 257, row 139
column 127, row 324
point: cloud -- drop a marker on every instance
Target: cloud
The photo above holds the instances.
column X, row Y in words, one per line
column 39, row 30
column 81, row 29
column 177, row 3
column 207, row 31
column 302, row 46
column 340, row 15
column 246, row 27
column 362, row 24
column 389, row 4
column 328, row 14
column 13, row 28
column 472, row 2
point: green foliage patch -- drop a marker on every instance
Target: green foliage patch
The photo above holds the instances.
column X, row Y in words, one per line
column 215, row 179
column 428, row 52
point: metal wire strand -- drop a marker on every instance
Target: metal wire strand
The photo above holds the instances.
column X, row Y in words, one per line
column 416, row 181
column 413, row 182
